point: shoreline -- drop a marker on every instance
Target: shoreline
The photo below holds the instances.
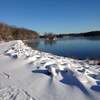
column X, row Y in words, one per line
column 29, row 74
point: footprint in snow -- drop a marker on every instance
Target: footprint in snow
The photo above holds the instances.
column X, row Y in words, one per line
column 6, row 75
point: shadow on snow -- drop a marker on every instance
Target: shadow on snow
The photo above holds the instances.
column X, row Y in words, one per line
column 68, row 79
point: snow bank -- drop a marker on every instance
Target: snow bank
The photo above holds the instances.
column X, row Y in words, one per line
column 19, row 49
column 32, row 65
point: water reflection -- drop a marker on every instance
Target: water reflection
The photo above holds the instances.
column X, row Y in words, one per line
column 33, row 43
column 50, row 42
column 80, row 48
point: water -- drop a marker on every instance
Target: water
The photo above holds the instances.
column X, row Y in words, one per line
column 80, row 48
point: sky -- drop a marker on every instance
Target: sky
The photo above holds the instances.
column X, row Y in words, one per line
column 58, row 16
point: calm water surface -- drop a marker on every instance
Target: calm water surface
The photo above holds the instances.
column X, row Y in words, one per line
column 81, row 48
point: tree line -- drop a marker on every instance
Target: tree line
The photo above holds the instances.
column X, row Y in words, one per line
column 61, row 35
column 8, row 32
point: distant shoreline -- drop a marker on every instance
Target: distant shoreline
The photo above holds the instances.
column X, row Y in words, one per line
column 85, row 34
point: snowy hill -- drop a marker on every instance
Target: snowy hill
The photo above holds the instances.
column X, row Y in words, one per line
column 27, row 74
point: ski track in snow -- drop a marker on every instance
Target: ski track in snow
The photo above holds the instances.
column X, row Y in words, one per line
column 10, row 93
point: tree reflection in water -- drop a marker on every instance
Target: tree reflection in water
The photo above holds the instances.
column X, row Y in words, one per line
column 33, row 43
column 50, row 42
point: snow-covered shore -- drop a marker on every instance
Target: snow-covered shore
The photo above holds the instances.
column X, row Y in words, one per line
column 27, row 74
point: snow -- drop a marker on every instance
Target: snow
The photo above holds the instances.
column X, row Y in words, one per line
column 27, row 74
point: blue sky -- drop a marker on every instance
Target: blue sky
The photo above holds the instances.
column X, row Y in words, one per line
column 62, row 16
